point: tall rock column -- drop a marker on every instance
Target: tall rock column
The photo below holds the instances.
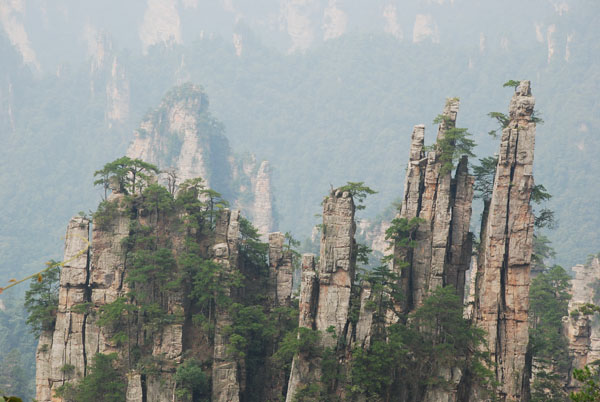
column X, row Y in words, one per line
column 305, row 369
column 325, row 297
column 281, row 270
column 442, row 250
column 336, row 266
column 502, row 303
column 225, row 382
column 61, row 356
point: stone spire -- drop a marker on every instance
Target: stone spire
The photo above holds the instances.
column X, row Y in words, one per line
column 325, row 297
column 225, row 384
column 502, row 301
column 336, row 265
column 441, row 254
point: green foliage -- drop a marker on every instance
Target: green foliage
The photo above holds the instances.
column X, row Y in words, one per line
column 511, row 83
column 158, row 200
column 359, row 192
column 192, row 382
column 302, row 341
column 41, row 301
column 409, row 354
column 103, row 383
column 590, row 390
column 111, row 314
column 401, row 235
column 484, row 177
column 253, row 251
column 454, row 144
column 374, row 369
column 13, row 379
column 67, row 369
column 549, row 300
column 539, row 194
column 106, row 213
column 549, row 296
column 126, row 174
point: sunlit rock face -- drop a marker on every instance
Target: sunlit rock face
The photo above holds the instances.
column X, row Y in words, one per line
column 503, row 277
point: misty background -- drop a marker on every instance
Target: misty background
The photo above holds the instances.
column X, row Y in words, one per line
column 328, row 91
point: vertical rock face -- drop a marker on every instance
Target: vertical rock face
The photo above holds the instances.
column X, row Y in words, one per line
column 336, row 265
column 225, row 383
column 304, row 369
column 182, row 135
column 281, row 270
column 262, row 208
column 91, row 279
column 325, row 297
column 582, row 331
column 61, row 355
column 502, row 302
column 443, row 247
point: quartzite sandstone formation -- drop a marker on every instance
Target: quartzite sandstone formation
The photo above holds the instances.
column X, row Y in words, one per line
column 502, row 300
column 443, row 242
column 281, row 270
column 226, row 387
column 336, row 265
column 325, row 297
column 583, row 331
column 182, row 135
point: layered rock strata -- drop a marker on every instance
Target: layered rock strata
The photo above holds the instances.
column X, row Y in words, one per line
column 443, row 241
column 502, row 300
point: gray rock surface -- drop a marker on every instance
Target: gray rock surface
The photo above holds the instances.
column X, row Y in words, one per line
column 502, row 301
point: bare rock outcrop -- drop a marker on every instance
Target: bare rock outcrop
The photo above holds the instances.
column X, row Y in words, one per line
column 305, row 369
column 281, row 270
column 61, row 354
column 325, row 295
column 225, row 383
column 443, row 241
column 502, row 300
column 337, row 263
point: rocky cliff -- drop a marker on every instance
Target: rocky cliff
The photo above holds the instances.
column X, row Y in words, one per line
column 182, row 138
column 502, row 299
column 132, row 293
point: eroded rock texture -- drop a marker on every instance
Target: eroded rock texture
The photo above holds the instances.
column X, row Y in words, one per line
column 305, row 369
column 65, row 346
column 182, row 136
column 443, row 241
column 502, row 300
column 281, row 270
column 96, row 277
column 336, row 265
column 325, row 295
column 225, row 383
column 583, row 331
